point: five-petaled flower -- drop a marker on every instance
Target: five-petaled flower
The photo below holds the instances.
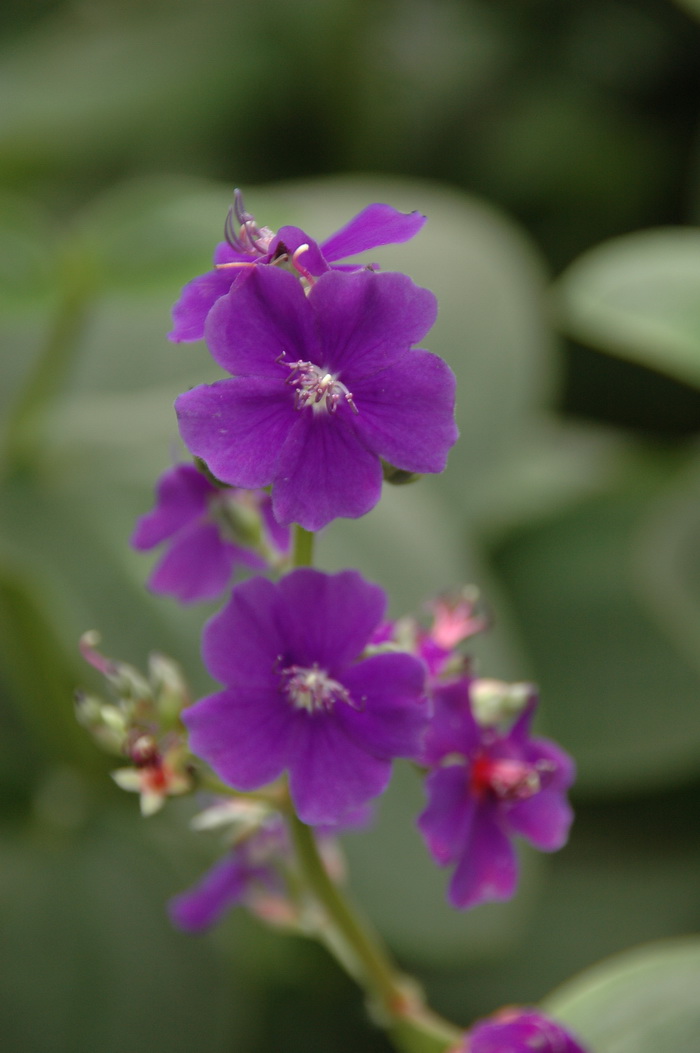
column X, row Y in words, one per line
column 210, row 531
column 520, row 1030
column 249, row 245
column 301, row 698
column 486, row 786
column 324, row 385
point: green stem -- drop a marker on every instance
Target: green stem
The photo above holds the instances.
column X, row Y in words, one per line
column 413, row 1027
column 303, row 554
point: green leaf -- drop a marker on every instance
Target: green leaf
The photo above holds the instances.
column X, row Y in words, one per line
column 643, row 1001
column 637, row 297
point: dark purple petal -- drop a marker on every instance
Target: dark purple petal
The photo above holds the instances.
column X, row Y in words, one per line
column 521, row 1031
column 245, row 734
column 328, row 618
column 221, row 888
column 199, row 296
column 243, row 642
column 544, row 819
column 368, row 320
column 406, row 412
column 262, row 319
column 292, row 238
column 375, row 225
column 182, row 496
column 323, row 472
column 447, row 821
column 452, row 726
column 197, row 565
column 558, row 768
column 488, row 869
column 391, row 713
column 237, row 426
column 329, row 775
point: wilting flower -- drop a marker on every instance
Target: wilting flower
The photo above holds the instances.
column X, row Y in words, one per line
column 247, row 245
column 517, row 1030
column 324, row 386
column 210, row 531
column 487, row 785
column 300, row 697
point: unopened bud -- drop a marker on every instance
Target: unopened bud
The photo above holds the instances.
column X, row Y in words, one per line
column 496, row 702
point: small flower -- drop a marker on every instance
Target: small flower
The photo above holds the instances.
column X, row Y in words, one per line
column 324, row 386
column 210, row 532
column 486, row 786
column 516, row 1030
column 301, row 698
column 156, row 773
column 247, row 245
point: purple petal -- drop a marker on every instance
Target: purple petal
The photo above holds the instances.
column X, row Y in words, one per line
column 447, row 820
column 279, row 536
column 292, row 238
column 263, row 318
column 544, row 819
column 368, row 320
column 245, row 734
column 182, row 496
column 329, row 775
column 328, row 618
column 452, row 727
column 201, row 906
column 375, row 225
column 392, row 711
column 243, row 642
column 488, row 869
column 324, row 472
column 237, row 426
column 516, row 1030
column 197, row 565
column 559, row 769
column 406, row 412
column 199, row 296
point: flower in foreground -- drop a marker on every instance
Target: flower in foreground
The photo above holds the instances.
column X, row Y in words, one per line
column 520, row 1031
column 486, row 786
column 248, row 245
column 301, row 698
column 205, row 528
column 324, row 385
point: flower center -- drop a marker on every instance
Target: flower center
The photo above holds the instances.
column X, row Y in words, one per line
column 311, row 688
column 506, row 779
column 316, row 388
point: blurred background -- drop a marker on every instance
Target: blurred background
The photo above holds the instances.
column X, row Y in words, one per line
column 554, row 146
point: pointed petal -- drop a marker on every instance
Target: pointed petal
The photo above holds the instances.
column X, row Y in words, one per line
column 544, row 819
column 202, row 905
column 488, row 870
column 406, row 412
column 330, row 775
column 328, row 618
column 375, row 225
column 367, row 320
column 197, row 565
column 392, row 712
column 292, row 238
column 264, row 317
column 242, row 643
column 447, row 820
column 199, row 296
column 324, row 472
column 182, row 495
column 237, row 426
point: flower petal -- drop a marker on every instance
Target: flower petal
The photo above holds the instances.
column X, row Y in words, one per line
column 197, row 565
column 544, row 819
column 406, row 412
column 237, row 426
column 375, row 225
column 199, row 296
column 393, row 712
column 324, row 472
column 488, row 869
column 368, row 320
column 291, row 239
column 182, row 495
column 202, row 905
column 452, row 727
column 447, row 820
column 243, row 642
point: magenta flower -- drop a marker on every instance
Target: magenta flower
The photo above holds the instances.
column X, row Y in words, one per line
column 324, row 385
column 202, row 525
column 247, row 245
column 300, row 697
column 488, row 785
column 520, row 1031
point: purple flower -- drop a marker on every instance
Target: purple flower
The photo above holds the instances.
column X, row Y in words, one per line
column 200, row 521
column 520, row 1031
column 298, row 698
column 325, row 384
column 486, row 786
column 250, row 245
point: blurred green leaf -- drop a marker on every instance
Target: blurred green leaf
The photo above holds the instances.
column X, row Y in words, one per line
column 637, row 297
column 643, row 1001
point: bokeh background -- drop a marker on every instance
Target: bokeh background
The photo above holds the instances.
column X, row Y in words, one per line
column 554, row 146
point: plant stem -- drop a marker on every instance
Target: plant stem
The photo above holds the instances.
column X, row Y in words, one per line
column 303, row 554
